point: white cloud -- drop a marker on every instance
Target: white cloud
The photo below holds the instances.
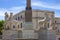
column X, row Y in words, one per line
column 17, row 8
column 46, row 5
column 34, row 3
column 2, row 11
column 12, row 9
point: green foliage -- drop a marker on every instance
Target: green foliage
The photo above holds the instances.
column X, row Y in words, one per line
column 1, row 25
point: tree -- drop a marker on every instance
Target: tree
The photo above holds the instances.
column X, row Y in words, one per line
column 1, row 26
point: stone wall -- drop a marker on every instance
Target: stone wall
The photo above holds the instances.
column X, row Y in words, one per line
column 47, row 35
column 57, row 36
column 9, row 34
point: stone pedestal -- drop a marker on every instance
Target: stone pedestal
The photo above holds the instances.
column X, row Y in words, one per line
column 9, row 34
column 30, row 34
column 28, row 26
column 47, row 35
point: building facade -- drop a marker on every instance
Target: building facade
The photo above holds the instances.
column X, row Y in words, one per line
column 31, row 25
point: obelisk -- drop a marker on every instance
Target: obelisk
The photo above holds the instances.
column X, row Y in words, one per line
column 28, row 12
column 28, row 15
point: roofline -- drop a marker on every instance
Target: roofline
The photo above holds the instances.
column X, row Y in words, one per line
column 19, row 12
column 57, row 17
column 43, row 10
column 35, row 10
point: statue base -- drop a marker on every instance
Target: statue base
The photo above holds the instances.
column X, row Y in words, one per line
column 47, row 35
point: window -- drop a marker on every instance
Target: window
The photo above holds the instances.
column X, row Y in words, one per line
column 18, row 18
column 21, row 16
column 55, row 27
column 18, row 26
column 55, row 21
column 13, row 26
column 48, row 25
column 58, row 30
column 7, row 28
column 21, row 25
column 58, row 38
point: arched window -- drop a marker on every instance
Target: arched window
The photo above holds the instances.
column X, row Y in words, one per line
column 13, row 26
column 55, row 27
column 59, row 38
column 48, row 25
column 55, row 21
column 21, row 25
column 21, row 16
column 7, row 28
column 18, row 26
column 58, row 30
column 18, row 18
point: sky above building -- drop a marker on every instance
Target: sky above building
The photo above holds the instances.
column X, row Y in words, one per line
column 16, row 6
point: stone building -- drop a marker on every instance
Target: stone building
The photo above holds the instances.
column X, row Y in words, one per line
column 57, row 25
column 31, row 25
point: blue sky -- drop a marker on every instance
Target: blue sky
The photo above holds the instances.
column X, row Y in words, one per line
column 16, row 6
